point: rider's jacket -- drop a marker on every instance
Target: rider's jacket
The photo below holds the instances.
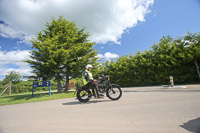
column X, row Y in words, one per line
column 87, row 77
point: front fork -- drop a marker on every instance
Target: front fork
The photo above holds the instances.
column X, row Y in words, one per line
column 109, row 88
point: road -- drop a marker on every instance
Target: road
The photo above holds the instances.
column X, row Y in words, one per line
column 140, row 110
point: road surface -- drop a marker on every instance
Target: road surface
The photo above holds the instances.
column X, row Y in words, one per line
column 140, row 110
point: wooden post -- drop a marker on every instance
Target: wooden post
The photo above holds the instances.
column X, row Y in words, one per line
column 9, row 92
column 171, row 81
column 4, row 90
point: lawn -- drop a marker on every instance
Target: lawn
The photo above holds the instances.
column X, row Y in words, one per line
column 27, row 98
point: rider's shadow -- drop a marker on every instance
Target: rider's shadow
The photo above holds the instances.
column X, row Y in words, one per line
column 192, row 125
column 89, row 102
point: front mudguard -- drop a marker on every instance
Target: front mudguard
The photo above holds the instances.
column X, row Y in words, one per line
column 116, row 85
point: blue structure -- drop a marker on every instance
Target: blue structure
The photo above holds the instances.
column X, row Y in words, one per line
column 41, row 84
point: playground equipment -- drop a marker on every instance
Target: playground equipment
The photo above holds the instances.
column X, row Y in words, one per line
column 41, row 84
column 70, row 84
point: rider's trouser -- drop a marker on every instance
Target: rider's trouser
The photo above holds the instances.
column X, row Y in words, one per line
column 94, row 85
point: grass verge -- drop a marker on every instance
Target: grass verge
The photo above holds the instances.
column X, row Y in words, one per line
column 27, row 98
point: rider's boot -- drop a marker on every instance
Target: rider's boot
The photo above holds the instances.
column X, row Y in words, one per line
column 97, row 91
column 94, row 94
column 100, row 95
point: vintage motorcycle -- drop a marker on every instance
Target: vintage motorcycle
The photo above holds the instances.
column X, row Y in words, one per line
column 113, row 91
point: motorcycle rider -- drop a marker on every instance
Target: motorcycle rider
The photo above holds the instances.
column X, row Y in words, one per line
column 89, row 81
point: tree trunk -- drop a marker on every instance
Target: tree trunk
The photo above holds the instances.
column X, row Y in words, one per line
column 197, row 66
column 67, row 83
column 59, row 83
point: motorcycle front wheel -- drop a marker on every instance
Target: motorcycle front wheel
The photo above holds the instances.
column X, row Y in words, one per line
column 114, row 93
column 83, row 95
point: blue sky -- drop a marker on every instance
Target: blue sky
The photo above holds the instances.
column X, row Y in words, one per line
column 167, row 17
column 120, row 27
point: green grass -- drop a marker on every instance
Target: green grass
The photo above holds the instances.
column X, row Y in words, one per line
column 27, row 98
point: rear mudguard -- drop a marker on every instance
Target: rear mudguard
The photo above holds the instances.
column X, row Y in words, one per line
column 78, row 88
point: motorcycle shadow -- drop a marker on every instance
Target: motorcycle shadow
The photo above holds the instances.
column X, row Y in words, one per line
column 89, row 102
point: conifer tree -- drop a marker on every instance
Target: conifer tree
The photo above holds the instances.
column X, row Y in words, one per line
column 61, row 51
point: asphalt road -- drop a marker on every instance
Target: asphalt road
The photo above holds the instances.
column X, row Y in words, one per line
column 140, row 110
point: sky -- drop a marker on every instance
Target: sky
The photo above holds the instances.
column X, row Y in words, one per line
column 119, row 27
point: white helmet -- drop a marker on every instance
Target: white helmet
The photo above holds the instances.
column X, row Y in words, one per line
column 89, row 66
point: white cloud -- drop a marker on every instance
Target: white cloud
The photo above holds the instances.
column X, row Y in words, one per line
column 106, row 20
column 7, row 31
column 13, row 61
column 108, row 56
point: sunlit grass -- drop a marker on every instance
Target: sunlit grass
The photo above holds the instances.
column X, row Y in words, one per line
column 27, row 98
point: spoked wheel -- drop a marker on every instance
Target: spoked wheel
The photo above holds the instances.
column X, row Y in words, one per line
column 83, row 95
column 101, row 90
column 114, row 93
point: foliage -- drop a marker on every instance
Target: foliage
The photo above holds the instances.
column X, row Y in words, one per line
column 13, row 76
column 61, row 51
column 170, row 56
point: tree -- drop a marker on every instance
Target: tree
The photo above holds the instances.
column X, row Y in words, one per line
column 12, row 76
column 192, row 43
column 177, row 57
column 61, row 51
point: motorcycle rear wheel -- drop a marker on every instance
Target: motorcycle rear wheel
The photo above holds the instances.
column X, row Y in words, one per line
column 83, row 95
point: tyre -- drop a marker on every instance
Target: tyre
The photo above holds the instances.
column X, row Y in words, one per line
column 114, row 93
column 83, row 95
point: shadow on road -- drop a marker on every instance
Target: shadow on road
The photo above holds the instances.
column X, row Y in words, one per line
column 192, row 125
column 90, row 102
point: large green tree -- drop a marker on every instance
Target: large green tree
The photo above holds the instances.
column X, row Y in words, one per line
column 191, row 44
column 61, row 51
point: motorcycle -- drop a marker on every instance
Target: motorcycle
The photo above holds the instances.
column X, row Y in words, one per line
column 113, row 91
